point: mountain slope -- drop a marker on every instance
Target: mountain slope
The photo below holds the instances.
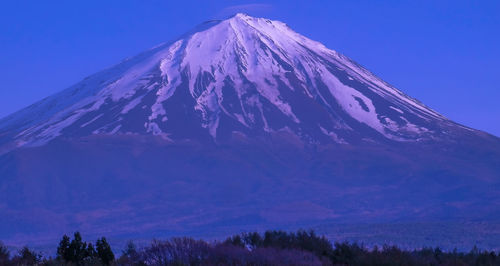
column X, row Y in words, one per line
column 244, row 74
column 239, row 124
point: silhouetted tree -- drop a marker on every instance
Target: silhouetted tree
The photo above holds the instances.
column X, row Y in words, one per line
column 271, row 248
column 91, row 252
column 130, row 255
column 27, row 256
column 252, row 240
column 4, row 254
column 235, row 241
column 77, row 249
column 130, row 249
column 63, row 249
column 176, row 251
column 104, row 251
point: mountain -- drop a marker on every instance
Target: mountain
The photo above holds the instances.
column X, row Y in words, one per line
column 239, row 124
column 248, row 75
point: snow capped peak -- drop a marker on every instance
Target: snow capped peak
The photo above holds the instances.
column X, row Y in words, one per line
column 243, row 74
column 241, row 16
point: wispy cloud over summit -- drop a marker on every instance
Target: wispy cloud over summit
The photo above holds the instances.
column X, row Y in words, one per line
column 252, row 9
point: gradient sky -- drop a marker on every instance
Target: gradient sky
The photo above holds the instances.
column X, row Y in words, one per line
column 444, row 53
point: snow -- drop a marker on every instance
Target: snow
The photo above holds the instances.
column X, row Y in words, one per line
column 386, row 90
column 332, row 135
column 131, row 105
column 255, row 54
column 169, row 66
column 92, row 120
column 228, row 44
column 115, row 130
column 396, row 109
column 346, row 96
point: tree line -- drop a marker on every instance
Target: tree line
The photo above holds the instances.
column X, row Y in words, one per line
column 270, row 248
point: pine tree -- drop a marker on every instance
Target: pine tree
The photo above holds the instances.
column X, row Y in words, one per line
column 27, row 256
column 90, row 253
column 104, row 251
column 4, row 254
column 77, row 249
column 63, row 249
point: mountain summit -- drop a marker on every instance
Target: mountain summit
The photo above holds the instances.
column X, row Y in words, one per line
column 248, row 75
column 240, row 124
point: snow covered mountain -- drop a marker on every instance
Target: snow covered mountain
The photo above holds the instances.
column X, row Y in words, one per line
column 244, row 74
column 240, row 124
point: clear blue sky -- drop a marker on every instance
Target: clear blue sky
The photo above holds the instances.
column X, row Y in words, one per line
column 444, row 53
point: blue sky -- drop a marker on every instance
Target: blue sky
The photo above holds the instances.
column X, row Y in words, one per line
column 444, row 53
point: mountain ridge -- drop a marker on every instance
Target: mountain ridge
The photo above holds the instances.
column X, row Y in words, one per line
column 212, row 65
